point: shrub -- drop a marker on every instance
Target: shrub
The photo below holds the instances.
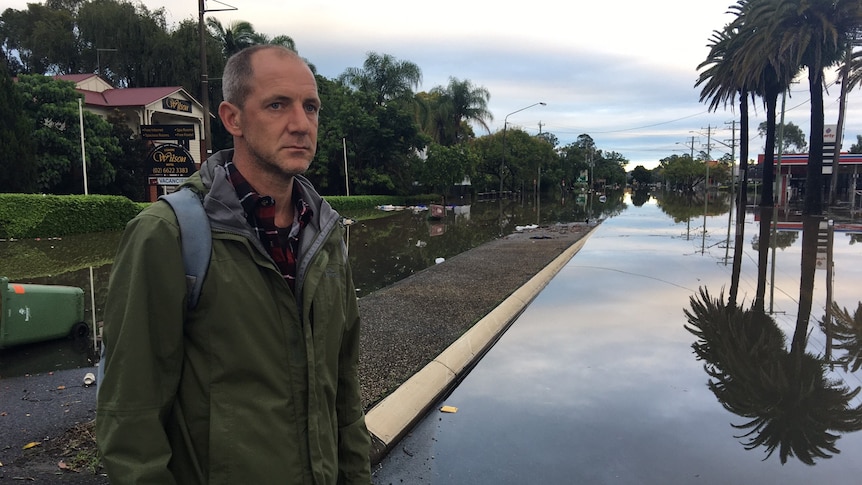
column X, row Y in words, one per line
column 34, row 215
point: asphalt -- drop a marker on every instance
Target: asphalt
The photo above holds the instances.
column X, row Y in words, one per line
column 419, row 336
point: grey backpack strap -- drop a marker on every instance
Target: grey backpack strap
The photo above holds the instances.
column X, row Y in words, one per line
column 195, row 237
column 196, row 241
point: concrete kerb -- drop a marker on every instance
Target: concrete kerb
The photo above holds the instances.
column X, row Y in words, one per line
column 396, row 414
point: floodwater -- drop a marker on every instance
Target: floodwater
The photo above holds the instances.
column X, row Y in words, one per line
column 598, row 380
column 384, row 247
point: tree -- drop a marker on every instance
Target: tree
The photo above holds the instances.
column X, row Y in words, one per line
column 525, row 156
column 453, row 108
column 792, row 137
column 760, row 64
column 17, row 158
column 857, row 147
column 343, row 123
column 141, row 54
column 610, row 167
column 812, row 35
column 585, row 142
column 641, row 176
column 789, row 402
column 43, row 38
column 129, row 162
column 574, row 160
column 382, row 142
column 550, row 138
column 53, row 106
column 722, row 85
column 282, row 40
column 384, row 78
column 447, row 166
column 682, row 172
column 235, row 37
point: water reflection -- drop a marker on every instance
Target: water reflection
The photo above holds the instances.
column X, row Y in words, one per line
column 790, row 398
column 385, row 250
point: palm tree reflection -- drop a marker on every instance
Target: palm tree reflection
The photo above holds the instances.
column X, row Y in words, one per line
column 791, row 405
column 847, row 331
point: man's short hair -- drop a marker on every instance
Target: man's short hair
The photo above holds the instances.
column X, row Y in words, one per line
column 238, row 72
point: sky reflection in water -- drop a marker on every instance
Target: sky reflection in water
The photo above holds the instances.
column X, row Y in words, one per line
column 597, row 381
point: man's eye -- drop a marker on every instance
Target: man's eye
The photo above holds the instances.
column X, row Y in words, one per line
column 275, row 105
column 311, row 108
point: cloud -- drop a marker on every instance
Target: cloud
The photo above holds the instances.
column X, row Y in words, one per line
column 621, row 71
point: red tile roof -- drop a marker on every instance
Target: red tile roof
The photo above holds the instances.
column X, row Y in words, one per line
column 121, row 97
column 137, row 96
column 76, row 78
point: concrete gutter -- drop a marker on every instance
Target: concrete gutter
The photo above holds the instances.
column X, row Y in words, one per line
column 396, row 414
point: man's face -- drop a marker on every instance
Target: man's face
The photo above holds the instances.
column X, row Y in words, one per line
column 278, row 123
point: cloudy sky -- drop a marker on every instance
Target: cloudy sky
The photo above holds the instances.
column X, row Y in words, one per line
column 621, row 71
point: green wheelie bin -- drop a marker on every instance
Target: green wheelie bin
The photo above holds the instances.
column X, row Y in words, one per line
column 34, row 313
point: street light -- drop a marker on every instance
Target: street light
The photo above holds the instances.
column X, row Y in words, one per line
column 505, row 124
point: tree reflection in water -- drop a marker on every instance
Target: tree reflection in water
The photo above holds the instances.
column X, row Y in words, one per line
column 847, row 331
column 792, row 406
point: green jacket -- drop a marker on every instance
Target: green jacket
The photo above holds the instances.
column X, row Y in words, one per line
column 256, row 384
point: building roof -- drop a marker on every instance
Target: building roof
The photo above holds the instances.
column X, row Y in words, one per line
column 76, row 78
column 802, row 159
column 122, row 97
column 129, row 96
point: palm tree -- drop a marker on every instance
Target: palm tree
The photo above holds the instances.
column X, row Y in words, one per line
column 384, row 78
column 722, row 84
column 789, row 403
column 282, row 40
column 233, row 38
column 846, row 329
column 855, row 70
column 453, row 108
column 813, row 35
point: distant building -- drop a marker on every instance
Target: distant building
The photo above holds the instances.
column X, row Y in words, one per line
column 794, row 170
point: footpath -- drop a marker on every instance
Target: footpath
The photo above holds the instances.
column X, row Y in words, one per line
column 420, row 335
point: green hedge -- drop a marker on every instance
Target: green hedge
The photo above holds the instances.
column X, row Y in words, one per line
column 33, row 215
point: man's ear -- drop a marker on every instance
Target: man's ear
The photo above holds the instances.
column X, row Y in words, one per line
column 230, row 118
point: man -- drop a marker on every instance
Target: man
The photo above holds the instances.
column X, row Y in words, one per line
column 258, row 382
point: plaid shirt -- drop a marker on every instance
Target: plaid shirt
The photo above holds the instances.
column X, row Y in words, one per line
column 282, row 243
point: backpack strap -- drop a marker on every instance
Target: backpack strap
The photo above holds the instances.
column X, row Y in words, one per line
column 195, row 237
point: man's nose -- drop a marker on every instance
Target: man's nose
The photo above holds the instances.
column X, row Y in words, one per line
column 298, row 120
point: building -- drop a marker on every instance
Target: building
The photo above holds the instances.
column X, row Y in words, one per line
column 169, row 117
column 794, row 169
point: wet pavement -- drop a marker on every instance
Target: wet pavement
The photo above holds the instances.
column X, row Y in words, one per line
column 597, row 382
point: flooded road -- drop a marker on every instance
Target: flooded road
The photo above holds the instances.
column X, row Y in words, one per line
column 598, row 380
column 384, row 247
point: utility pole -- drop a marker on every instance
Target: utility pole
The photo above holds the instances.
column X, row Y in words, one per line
column 732, row 186
column 205, row 88
column 99, row 59
column 538, row 173
column 732, row 147
column 708, row 152
column 706, row 185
